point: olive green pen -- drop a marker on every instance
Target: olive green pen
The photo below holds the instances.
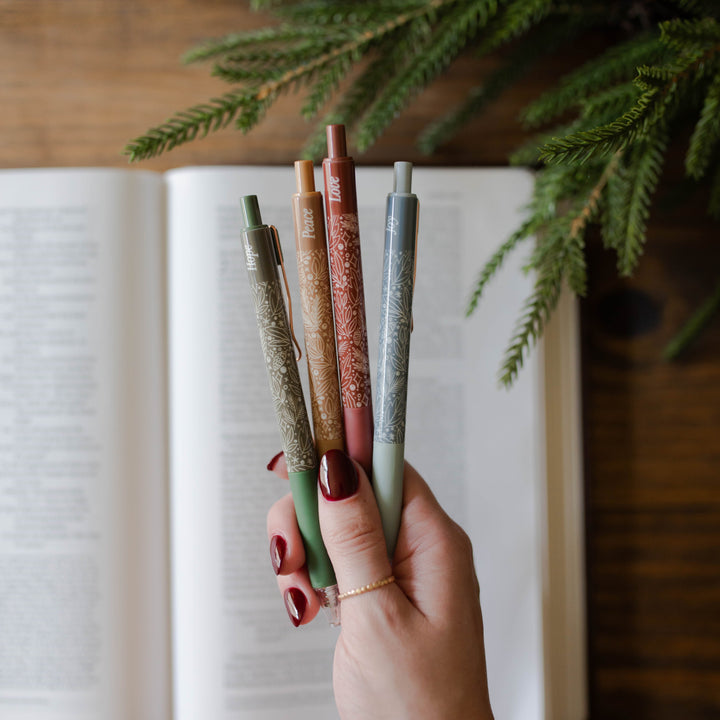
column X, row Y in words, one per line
column 262, row 257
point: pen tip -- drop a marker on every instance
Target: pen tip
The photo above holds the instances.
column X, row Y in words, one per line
column 402, row 177
column 328, row 597
column 304, row 176
column 336, row 144
column 250, row 211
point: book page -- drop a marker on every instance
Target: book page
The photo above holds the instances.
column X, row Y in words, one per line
column 83, row 555
column 236, row 654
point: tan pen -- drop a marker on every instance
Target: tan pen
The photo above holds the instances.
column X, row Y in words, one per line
column 317, row 310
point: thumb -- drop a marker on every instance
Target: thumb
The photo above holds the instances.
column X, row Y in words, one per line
column 350, row 523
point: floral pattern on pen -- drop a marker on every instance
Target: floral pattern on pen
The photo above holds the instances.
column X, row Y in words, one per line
column 283, row 376
column 394, row 359
column 349, row 306
column 314, row 276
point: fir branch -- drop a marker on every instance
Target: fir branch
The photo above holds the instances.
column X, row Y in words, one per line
column 327, row 83
column 614, row 216
column 367, row 86
column 615, row 65
column 526, row 230
column 605, row 105
column 643, row 177
column 690, row 35
column 693, row 327
column 348, row 13
column 253, row 102
column 517, row 18
column 287, row 56
column 590, row 206
column 187, row 124
column 562, row 259
column 536, row 310
column 280, row 35
column 428, row 61
column 706, row 133
column 528, row 153
column 546, row 39
column 654, row 105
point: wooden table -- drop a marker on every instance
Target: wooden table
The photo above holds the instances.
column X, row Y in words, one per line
column 79, row 78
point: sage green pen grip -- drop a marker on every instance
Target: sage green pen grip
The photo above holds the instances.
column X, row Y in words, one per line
column 303, row 486
column 387, row 466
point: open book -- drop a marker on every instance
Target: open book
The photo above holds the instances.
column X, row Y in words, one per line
column 136, row 423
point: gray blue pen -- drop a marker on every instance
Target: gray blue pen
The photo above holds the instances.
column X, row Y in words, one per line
column 262, row 257
column 394, row 350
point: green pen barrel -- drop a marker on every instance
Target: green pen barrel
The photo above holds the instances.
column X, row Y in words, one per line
column 303, row 486
column 387, row 466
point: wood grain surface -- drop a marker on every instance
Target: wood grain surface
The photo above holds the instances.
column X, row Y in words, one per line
column 79, row 78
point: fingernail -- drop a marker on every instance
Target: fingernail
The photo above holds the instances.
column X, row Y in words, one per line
column 295, row 604
column 277, row 552
column 274, row 461
column 338, row 477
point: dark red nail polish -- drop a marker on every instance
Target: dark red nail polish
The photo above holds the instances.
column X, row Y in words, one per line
column 295, row 604
column 338, row 477
column 274, row 461
column 277, row 552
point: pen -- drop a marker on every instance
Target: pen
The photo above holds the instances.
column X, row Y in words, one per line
column 394, row 350
column 348, row 297
column 317, row 310
column 262, row 257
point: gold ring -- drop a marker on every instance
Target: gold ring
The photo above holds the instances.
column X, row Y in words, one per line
column 367, row 588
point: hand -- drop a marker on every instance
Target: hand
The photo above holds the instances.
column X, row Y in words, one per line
column 413, row 648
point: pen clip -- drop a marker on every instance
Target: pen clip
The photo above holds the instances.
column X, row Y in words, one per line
column 281, row 261
column 417, row 228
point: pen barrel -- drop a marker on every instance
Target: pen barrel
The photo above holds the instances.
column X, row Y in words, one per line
column 394, row 361
column 303, row 486
column 395, row 319
column 349, row 306
column 278, row 351
column 317, row 311
column 287, row 396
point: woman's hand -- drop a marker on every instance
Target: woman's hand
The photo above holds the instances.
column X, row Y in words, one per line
column 412, row 648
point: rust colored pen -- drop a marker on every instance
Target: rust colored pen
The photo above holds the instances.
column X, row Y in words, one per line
column 348, row 297
column 317, row 310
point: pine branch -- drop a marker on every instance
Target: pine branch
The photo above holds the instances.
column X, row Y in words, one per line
column 517, row 18
column 535, row 313
column 367, row 86
column 528, row 154
column 526, row 230
column 348, row 14
column 693, row 327
column 187, row 124
column 279, row 35
column 252, row 102
column 615, row 65
column 604, row 106
column 685, row 36
column 614, row 216
column 663, row 89
column 563, row 259
column 430, row 59
column 643, row 177
column 546, row 39
column 706, row 134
